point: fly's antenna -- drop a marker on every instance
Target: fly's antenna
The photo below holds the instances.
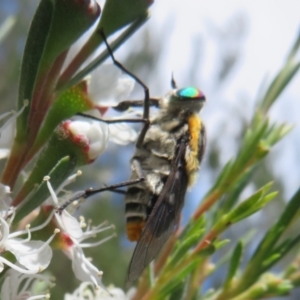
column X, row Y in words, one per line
column 173, row 82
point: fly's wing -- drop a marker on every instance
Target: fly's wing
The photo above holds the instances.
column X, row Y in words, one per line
column 202, row 142
column 164, row 217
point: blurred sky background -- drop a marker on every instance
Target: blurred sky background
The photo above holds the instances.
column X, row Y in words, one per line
column 226, row 48
column 258, row 36
column 230, row 49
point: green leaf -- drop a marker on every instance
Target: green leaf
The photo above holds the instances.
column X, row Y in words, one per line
column 234, row 263
column 276, row 231
column 70, row 102
column 223, row 176
column 193, row 227
column 71, row 19
column 177, row 279
column 294, row 49
column 103, row 56
column 282, row 79
column 276, row 133
column 279, row 252
column 251, row 205
column 119, row 13
column 279, row 83
column 178, row 292
column 33, row 53
column 232, row 196
column 218, row 244
column 55, row 26
column 250, row 145
column 61, row 144
column 58, row 174
column 183, row 247
column 245, row 240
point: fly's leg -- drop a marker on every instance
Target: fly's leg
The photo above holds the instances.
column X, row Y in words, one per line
column 138, row 168
column 113, row 121
column 90, row 192
column 123, row 106
column 147, row 101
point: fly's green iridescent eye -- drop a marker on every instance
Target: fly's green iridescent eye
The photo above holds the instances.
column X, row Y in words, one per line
column 189, row 93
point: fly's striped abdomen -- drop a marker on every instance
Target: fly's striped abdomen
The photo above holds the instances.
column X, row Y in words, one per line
column 136, row 212
column 139, row 203
column 155, row 159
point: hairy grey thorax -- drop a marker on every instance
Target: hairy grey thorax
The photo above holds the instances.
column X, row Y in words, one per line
column 158, row 149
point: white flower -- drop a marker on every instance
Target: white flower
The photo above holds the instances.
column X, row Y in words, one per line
column 98, row 133
column 73, row 238
column 17, row 286
column 122, row 133
column 35, row 256
column 108, row 85
column 92, row 133
column 86, row 291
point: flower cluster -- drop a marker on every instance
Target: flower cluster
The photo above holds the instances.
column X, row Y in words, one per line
column 59, row 124
column 34, row 256
column 86, row 291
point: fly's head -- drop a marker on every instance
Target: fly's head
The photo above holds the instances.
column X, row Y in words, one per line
column 188, row 99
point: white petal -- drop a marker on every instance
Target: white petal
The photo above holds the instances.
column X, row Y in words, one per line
column 96, row 149
column 124, row 87
column 18, row 286
column 70, row 224
column 79, row 127
column 27, row 255
column 1, row 266
column 98, row 136
column 95, row 133
column 83, row 269
column 108, row 85
column 122, row 133
column 4, row 233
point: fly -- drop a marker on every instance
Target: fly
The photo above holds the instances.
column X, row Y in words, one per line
column 167, row 158
column 168, row 154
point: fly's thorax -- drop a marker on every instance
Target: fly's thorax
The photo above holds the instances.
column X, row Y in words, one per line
column 155, row 169
column 161, row 138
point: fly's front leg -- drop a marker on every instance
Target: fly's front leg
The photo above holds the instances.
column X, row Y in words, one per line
column 126, row 104
column 147, row 101
column 123, row 106
column 113, row 121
